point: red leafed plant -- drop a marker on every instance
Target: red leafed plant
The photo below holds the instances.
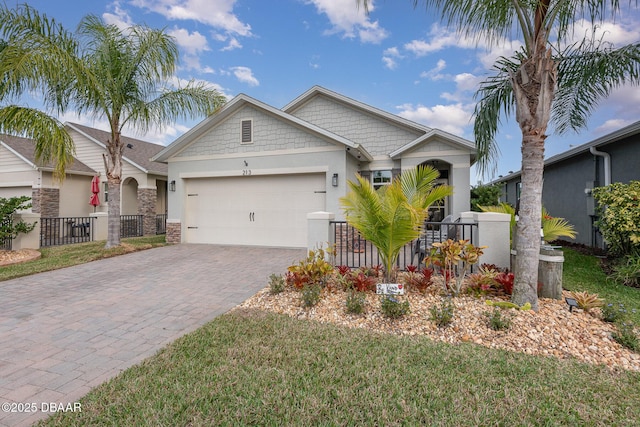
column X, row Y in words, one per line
column 419, row 280
column 506, row 281
column 362, row 282
column 344, row 270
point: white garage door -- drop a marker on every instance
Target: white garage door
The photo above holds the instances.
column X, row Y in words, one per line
column 267, row 210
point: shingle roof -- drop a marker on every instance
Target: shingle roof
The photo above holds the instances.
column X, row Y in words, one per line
column 26, row 149
column 136, row 151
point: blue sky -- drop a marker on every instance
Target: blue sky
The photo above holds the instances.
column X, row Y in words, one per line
column 397, row 58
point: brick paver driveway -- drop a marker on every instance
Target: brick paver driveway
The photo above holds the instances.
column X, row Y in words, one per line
column 66, row 331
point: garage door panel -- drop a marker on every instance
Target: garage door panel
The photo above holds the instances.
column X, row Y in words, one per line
column 257, row 210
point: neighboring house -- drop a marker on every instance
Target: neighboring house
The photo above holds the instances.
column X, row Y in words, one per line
column 570, row 176
column 144, row 183
column 251, row 173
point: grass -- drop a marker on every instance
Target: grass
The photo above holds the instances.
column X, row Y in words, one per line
column 254, row 368
column 56, row 257
column 583, row 273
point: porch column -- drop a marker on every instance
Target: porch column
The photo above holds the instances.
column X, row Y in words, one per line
column 147, row 208
column 46, row 202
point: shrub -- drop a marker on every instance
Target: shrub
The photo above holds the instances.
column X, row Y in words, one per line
column 619, row 216
column 587, row 301
column 8, row 207
column 483, row 281
column 392, row 307
column 455, row 258
column 627, row 271
column 497, row 320
column 276, row 283
column 311, row 294
column 419, row 280
column 505, row 281
column 626, row 336
column 442, row 315
column 312, row 270
column 485, row 194
column 614, row 313
column 355, row 302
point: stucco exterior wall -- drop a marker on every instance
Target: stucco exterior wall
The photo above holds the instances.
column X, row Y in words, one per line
column 270, row 134
column 75, row 192
column 378, row 136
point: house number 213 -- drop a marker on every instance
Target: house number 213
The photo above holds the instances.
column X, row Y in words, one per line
column 246, row 172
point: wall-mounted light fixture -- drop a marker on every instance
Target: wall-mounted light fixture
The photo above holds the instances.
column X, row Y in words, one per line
column 334, row 180
column 172, row 186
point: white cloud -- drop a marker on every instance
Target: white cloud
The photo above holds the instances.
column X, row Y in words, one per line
column 618, row 34
column 389, row 57
column 245, row 75
column 192, row 43
column 233, row 44
column 120, row 18
column 612, row 125
column 452, row 118
column 350, row 20
column 216, row 13
column 434, row 73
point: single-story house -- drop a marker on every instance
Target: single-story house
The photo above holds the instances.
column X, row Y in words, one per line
column 251, row 173
column 570, row 176
column 144, row 183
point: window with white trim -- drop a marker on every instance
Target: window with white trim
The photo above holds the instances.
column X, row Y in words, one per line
column 381, row 178
column 246, row 136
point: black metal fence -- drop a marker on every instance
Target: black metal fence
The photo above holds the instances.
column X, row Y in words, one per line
column 65, row 230
column 5, row 243
column 131, row 225
column 161, row 224
column 354, row 251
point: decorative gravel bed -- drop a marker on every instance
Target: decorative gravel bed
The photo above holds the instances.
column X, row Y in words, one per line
column 552, row 331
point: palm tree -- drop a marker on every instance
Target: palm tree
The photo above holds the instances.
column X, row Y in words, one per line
column 541, row 83
column 393, row 215
column 102, row 71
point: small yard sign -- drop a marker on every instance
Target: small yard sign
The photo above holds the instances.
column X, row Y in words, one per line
column 390, row 289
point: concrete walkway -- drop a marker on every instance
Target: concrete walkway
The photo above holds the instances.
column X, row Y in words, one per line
column 66, row 331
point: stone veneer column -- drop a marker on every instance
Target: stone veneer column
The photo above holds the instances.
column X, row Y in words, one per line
column 46, row 202
column 174, row 231
column 147, row 208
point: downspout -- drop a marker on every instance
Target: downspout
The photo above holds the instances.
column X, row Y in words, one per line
column 607, row 172
column 607, row 164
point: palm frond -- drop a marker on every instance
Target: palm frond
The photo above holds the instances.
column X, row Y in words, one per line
column 392, row 216
column 587, row 73
column 496, row 98
column 52, row 142
column 554, row 227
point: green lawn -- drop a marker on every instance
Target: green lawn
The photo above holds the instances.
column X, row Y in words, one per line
column 253, row 368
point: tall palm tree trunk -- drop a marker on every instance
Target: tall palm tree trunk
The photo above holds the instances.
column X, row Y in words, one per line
column 534, row 86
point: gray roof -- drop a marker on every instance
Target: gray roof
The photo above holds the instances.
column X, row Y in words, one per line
column 25, row 148
column 607, row 139
column 136, row 151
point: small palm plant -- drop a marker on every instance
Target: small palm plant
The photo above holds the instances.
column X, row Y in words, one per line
column 393, row 215
column 552, row 227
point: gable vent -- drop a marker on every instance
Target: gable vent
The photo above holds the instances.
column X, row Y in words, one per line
column 247, row 132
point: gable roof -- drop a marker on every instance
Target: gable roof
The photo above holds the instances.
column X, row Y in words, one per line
column 456, row 140
column 136, row 152
column 611, row 138
column 239, row 102
column 24, row 148
column 365, row 108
